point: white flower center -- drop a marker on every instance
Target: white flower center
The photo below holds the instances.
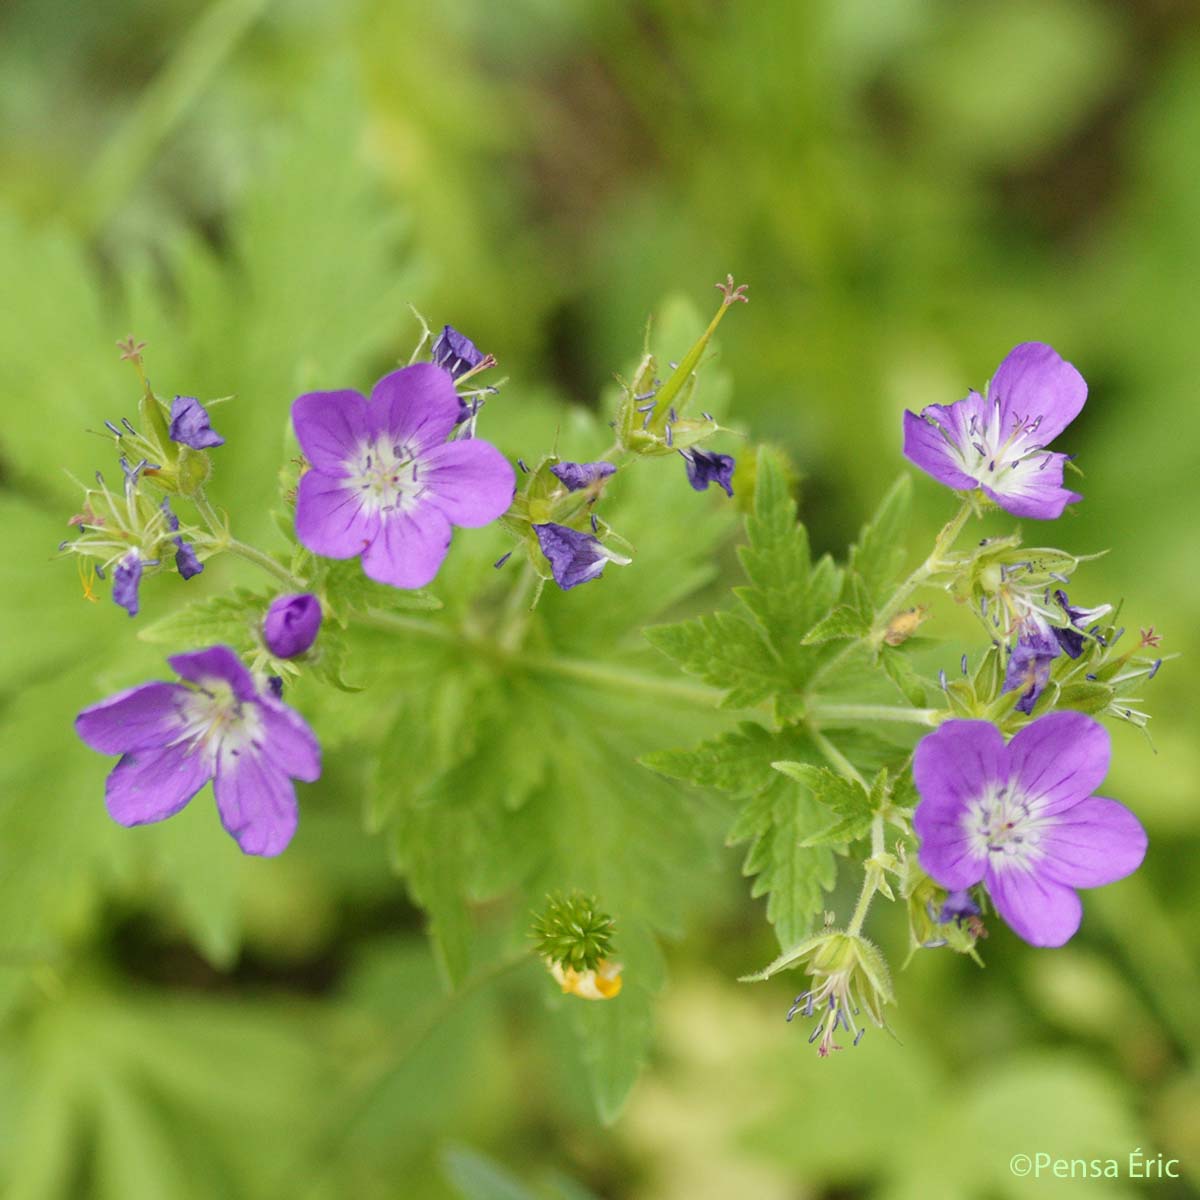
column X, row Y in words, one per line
column 1005, row 826
column 385, row 476
column 216, row 721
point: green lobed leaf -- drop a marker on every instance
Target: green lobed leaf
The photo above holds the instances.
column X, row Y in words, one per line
column 878, row 556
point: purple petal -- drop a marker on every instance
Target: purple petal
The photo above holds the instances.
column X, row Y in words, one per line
column 331, row 427
column 290, row 744
column 256, row 800
column 127, row 579
column 471, row 482
column 455, row 352
column 952, row 767
column 134, row 719
column 937, row 453
column 574, row 557
column 704, row 468
column 331, row 519
column 1034, row 382
column 1092, row 843
column 1059, row 759
column 576, row 476
column 410, row 547
column 217, row 664
column 154, row 783
column 186, row 562
column 1034, row 488
column 1037, row 909
column 291, row 624
column 416, row 406
column 190, row 425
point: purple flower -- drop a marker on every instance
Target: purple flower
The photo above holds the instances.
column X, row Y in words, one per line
column 999, row 443
column 127, row 578
column 957, row 905
column 189, row 424
column 215, row 724
column 574, row 557
column 291, row 624
column 455, row 352
column 186, row 562
column 704, row 468
column 1021, row 818
column 576, row 476
column 1072, row 639
column 385, row 483
column 1037, row 646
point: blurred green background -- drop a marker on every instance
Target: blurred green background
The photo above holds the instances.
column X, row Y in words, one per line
column 910, row 188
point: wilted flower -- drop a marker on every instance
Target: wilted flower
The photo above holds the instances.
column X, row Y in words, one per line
column 576, row 476
column 575, row 557
column 1029, row 663
column 291, row 624
column 603, row 983
column 455, row 352
column 1021, row 819
column 190, row 424
column 186, row 562
column 999, row 443
column 215, row 724
column 704, row 467
column 1071, row 639
column 384, row 482
column 127, row 579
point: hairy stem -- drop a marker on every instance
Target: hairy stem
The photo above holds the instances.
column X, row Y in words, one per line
column 831, row 714
column 836, row 759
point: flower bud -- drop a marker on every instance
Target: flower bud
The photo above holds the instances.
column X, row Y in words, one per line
column 291, row 624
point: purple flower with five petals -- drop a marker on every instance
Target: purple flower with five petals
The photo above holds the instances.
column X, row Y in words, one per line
column 998, row 443
column 575, row 557
column 1021, row 819
column 704, row 467
column 214, row 724
column 384, row 483
column 190, row 424
column 291, row 624
column 576, row 476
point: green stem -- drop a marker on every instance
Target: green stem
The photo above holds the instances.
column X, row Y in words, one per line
column 224, row 540
column 836, row 758
column 417, row 626
column 847, row 713
column 934, row 563
column 859, row 916
column 626, row 681
column 377, row 1072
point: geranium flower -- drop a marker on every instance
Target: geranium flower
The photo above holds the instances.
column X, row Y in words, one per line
column 190, row 424
column 384, row 482
column 999, row 443
column 1021, row 819
column 214, row 724
column 704, row 467
column 576, row 476
column 575, row 557
column 291, row 624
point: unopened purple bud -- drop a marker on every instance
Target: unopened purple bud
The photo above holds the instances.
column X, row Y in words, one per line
column 291, row 624
column 126, row 579
column 190, row 425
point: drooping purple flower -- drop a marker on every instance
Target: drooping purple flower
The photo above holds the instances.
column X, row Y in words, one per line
column 291, row 624
column 1021, row 818
column 576, row 476
column 190, row 424
column 213, row 724
column 704, row 467
column 1036, row 647
column 127, row 578
column 384, row 483
column 999, row 443
column 186, row 562
column 956, row 906
column 455, row 352
column 575, row 557
column 1071, row 639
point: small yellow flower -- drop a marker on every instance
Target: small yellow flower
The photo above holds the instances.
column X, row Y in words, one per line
column 601, row 984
